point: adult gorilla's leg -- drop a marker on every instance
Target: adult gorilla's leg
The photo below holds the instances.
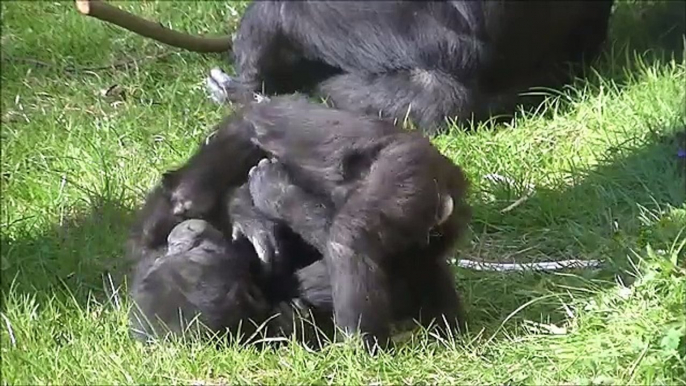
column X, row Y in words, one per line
column 426, row 97
column 266, row 60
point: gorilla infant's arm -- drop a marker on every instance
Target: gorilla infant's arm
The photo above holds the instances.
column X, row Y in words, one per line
column 199, row 187
column 248, row 222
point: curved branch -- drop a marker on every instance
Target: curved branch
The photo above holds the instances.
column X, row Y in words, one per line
column 105, row 12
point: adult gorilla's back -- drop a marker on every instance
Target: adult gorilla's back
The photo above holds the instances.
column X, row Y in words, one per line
column 424, row 60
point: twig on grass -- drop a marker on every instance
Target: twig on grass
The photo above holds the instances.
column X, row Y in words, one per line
column 108, row 13
column 539, row 266
column 530, row 190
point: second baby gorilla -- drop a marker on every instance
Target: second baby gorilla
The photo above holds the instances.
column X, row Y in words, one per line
column 425, row 60
column 382, row 206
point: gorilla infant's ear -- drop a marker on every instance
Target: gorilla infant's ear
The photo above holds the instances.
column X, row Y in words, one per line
column 445, row 208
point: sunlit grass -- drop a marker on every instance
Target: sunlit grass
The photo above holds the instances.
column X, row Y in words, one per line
column 599, row 158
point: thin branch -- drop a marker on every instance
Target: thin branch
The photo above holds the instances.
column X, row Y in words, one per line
column 106, row 12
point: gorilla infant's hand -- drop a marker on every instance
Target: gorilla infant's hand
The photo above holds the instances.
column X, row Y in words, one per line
column 271, row 188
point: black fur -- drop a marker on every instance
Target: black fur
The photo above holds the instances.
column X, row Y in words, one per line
column 190, row 269
column 382, row 206
column 425, row 60
column 198, row 274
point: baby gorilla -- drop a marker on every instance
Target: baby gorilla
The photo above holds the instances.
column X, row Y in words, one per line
column 200, row 276
column 195, row 272
column 382, row 206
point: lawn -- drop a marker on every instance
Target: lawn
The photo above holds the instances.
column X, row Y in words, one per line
column 598, row 162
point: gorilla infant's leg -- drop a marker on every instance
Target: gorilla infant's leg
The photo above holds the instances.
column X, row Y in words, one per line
column 315, row 302
column 359, row 284
column 198, row 188
column 308, row 315
column 302, row 292
column 293, row 279
column 439, row 302
column 275, row 195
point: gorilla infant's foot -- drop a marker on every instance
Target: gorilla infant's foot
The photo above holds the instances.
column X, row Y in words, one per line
column 222, row 89
column 270, row 185
column 189, row 196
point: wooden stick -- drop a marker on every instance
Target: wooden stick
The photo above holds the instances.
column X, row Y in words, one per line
column 105, row 12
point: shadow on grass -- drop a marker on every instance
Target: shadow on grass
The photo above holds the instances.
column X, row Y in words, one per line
column 71, row 259
column 657, row 26
column 640, row 34
column 651, row 176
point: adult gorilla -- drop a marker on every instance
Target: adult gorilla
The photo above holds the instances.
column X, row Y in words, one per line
column 423, row 60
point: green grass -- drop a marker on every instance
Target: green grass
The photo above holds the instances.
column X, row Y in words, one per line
column 601, row 156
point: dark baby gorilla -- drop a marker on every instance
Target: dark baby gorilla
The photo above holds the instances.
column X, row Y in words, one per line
column 201, row 275
column 190, row 269
column 425, row 60
column 382, row 206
